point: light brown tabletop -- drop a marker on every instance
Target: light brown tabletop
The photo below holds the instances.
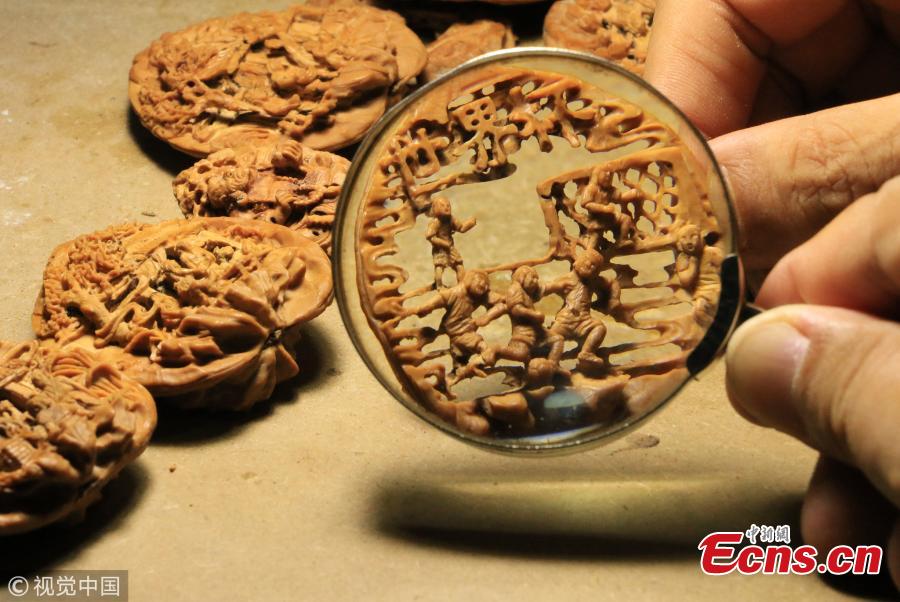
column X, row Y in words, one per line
column 334, row 491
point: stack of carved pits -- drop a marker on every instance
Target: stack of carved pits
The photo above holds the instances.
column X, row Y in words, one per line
column 264, row 97
column 204, row 313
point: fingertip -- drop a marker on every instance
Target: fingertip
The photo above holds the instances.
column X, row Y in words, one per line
column 780, row 286
column 739, row 406
column 850, row 263
column 763, row 359
column 828, row 377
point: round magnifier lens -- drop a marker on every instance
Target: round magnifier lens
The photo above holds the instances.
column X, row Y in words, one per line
column 536, row 251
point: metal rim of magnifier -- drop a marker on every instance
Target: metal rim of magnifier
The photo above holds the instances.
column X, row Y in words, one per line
column 731, row 300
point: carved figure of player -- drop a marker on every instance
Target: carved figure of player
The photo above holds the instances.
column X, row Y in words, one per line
column 440, row 234
column 460, row 302
column 597, row 200
column 687, row 263
column 709, row 286
column 697, row 267
column 527, row 322
column 574, row 320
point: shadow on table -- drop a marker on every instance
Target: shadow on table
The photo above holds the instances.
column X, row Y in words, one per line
column 543, row 546
column 554, row 514
column 187, row 427
column 650, row 517
column 29, row 553
column 159, row 152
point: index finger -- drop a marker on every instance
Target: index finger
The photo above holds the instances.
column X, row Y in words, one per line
column 854, row 262
column 709, row 56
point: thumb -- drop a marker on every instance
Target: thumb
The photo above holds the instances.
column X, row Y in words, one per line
column 828, row 376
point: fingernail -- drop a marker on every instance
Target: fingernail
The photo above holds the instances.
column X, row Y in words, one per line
column 763, row 359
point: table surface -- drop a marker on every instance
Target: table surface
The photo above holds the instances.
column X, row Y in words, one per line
column 334, row 491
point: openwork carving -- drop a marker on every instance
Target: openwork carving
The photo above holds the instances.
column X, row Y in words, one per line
column 618, row 30
column 204, row 312
column 319, row 75
column 68, row 424
column 592, row 327
column 284, row 183
column 463, row 41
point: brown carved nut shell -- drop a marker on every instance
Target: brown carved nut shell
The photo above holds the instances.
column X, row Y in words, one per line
column 203, row 311
column 319, row 75
column 463, row 41
column 583, row 285
column 618, row 30
column 68, row 424
column 285, row 184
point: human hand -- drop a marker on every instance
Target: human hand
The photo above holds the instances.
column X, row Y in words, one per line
column 823, row 367
column 729, row 64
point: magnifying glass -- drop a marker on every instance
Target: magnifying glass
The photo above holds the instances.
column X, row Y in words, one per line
column 536, row 252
